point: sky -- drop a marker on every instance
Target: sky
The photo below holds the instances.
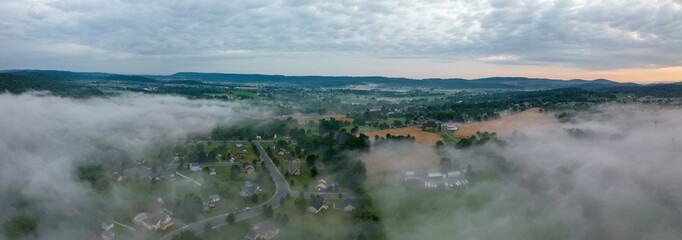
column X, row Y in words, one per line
column 627, row 41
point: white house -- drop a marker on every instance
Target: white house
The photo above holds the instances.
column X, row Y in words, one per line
column 194, row 167
column 107, row 225
column 450, row 126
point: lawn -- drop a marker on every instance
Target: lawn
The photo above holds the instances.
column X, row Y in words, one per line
column 488, row 208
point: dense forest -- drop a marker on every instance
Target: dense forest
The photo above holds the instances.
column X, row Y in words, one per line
column 19, row 84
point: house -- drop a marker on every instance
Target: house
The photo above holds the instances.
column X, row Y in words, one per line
column 107, row 225
column 293, row 142
column 321, row 185
column 249, row 168
column 239, row 145
column 320, row 166
column 211, row 201
column 237, row 155
column 294, row 170
column 259, row 137
column 108, row 235
column 453, row 173
column 450, row 126
column 318, row 205
column 348, row 205
column 262, row 230
column 273, row 146
column 280, row 152
column 290, row 159
column 194, row 167
column 140, row 162
column 153, row 221
column 212, row 172
column 159, row 200
column 249, row 189
column 435, row 175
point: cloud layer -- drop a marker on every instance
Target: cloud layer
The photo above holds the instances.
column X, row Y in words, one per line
column 615, row 178
column 584, row 34
column 43, row 139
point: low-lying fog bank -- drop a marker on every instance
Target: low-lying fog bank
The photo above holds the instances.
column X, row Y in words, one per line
column 613, row 173
column 44, row 138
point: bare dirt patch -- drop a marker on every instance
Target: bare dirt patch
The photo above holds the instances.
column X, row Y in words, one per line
column 529, row 119
column 398, row 157
column 420, row 137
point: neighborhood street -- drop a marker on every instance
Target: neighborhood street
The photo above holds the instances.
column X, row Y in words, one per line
column 282, row 190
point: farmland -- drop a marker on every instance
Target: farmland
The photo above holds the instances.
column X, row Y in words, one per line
column 421, row 137
column 529, row 119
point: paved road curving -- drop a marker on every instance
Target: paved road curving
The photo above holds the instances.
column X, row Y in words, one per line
column 282, row 190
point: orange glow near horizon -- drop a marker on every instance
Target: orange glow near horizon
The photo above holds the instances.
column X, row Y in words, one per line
column 642, row 76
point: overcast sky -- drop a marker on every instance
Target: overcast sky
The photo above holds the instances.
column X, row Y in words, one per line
column 634, row 40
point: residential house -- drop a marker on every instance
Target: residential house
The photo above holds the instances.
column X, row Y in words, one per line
column 107, row 225
column 262, row 230
column 249, row 168
column 273, row 146
column 450, row 126
column 237, row 155
column 212, row 172
column 293, row 142
column 290, row 159
column 249, row 189
column 239, row 145
column 318, row 205
column 153, row 221
column 211, row 201
column 453, row 173
column 294, row 170
column 348, row 205
column 281, row 152
column 108, row 235
column 194, row 167
column 321, row 185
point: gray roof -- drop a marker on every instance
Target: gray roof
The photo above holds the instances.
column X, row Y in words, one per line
column 318, row 202
column 154, row 218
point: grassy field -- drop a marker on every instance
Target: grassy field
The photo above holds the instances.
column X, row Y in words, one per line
column 488, row 208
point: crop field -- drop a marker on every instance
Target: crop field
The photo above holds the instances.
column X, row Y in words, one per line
column 529, row 119
column 421, row 137
column 397, row 158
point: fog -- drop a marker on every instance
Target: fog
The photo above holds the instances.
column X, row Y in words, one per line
column 611, row 173
column 43, row 139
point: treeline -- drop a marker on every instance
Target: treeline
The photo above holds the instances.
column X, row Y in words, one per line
column 659, row 90
column 17, row 84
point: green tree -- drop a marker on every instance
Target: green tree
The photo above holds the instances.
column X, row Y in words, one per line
column 313, row 172
column 445, row 164
column 439, row 144
column 310, row 159
column 22, row 225
column 230, row 219
column 285, row 220
column 235, row 171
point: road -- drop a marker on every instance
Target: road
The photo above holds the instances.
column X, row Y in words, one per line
column 449, row 136
column 282, row 189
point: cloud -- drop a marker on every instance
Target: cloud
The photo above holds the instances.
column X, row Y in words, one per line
column 585, row 34
column 43, row 139
column 614, row 178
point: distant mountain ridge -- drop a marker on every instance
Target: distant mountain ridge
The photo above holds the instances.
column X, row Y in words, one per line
column 506, row 83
